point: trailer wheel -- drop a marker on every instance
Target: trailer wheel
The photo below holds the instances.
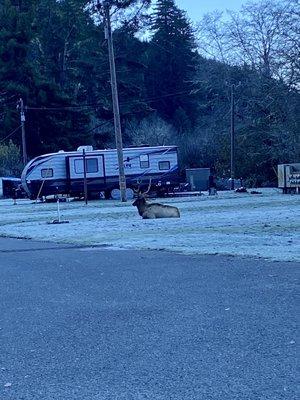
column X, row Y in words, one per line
column 129, row 194
column 116, row 194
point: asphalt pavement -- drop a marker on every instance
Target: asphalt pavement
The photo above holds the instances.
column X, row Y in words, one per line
column 100, row 324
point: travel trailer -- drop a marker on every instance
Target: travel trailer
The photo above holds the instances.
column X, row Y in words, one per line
column 63, row 172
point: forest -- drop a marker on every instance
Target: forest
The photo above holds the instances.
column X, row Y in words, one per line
column 174, row 80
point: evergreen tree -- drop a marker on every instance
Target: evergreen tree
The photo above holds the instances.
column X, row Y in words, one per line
column 130, row 64
column 21, row 68
column 17, row 74
column 172, row 63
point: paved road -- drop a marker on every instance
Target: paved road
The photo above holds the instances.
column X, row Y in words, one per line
column 104, row 325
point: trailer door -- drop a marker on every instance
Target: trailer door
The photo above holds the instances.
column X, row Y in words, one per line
column 94, row 167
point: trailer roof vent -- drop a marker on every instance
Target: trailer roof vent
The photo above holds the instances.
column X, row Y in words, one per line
column 61, row 151
column 86, row 148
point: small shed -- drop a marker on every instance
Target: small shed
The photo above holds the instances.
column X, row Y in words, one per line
column 198, row 178
column 8, row 186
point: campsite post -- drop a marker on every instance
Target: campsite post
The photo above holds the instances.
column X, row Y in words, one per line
column 84, row 177
column 58, row 210
column 232, row 133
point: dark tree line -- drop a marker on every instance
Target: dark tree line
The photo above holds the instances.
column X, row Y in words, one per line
column 174, row 81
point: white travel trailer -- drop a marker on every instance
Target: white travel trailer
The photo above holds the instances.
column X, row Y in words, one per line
column 63, row 172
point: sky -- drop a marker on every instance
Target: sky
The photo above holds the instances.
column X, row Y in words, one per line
column 196, row 8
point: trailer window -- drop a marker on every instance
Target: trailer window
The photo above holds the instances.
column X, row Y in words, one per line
column 47, row 173
column 91, row 166
column 144, row 161
column 164, row 165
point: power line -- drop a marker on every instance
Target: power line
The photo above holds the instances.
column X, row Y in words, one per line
column 93, row 105
column 100, row 125
column 8, row 136
column 64, row 108
column 4, row 105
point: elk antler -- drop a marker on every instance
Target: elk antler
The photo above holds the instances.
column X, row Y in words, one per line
column 138, row 190
column 149, row 187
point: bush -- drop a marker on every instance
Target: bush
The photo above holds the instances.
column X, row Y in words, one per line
column 10, row 160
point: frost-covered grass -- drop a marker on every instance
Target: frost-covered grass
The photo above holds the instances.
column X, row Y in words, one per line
column 266, row 225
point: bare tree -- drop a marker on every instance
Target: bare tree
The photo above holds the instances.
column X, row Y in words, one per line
column 289, row 52
column 265, row 35
column 255, row 34
column 152, row 130
column 212, row 36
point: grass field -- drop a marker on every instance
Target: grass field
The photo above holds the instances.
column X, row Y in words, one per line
column 266, row 225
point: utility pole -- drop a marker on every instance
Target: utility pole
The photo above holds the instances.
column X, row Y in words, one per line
column 114, row 90
column 232, row 141
column 22, row 118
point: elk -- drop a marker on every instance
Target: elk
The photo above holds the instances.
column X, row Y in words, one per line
column 153, row 210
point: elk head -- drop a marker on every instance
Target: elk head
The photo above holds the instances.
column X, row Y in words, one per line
column 140, row 202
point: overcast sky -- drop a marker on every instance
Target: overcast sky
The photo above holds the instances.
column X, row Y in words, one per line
column 196, row 8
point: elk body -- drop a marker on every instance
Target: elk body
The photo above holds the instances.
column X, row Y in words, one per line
column 155, row 210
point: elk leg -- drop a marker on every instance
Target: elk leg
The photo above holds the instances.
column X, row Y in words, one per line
column 148, row 215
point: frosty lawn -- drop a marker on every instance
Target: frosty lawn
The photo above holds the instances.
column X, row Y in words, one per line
column 266, row 225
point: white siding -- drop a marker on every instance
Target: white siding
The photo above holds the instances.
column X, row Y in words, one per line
column 133, row 168
column 55, row 162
